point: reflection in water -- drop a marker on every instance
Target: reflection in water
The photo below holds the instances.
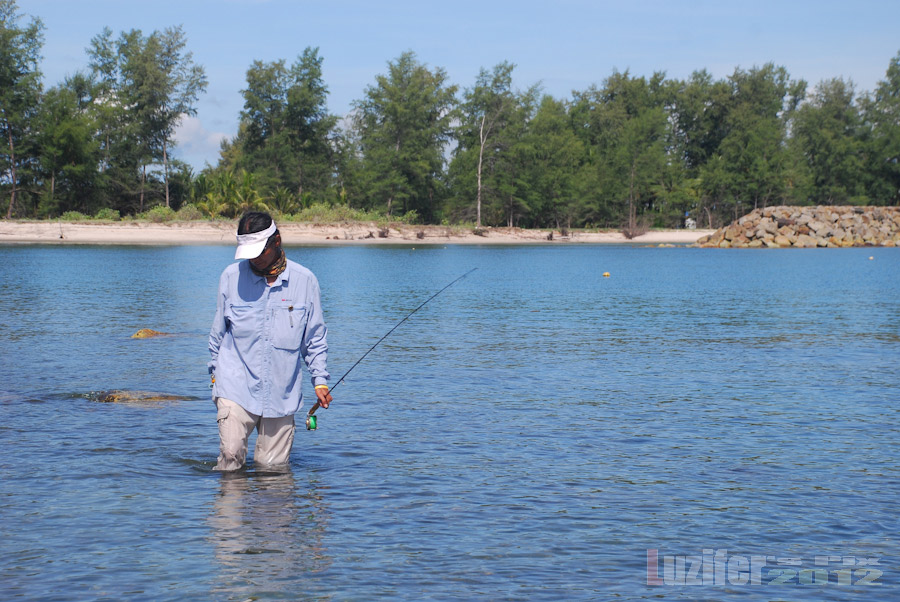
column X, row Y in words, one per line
column 266, row 533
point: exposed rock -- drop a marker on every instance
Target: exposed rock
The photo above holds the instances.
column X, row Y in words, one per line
column 767, row 225
column 808, row 227
column 782, row 241
column 806, row 241
column 815, row 225
column 732, row 232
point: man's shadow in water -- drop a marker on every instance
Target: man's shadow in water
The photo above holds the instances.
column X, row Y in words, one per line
column 267, row 533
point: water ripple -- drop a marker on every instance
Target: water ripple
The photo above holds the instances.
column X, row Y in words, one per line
column 530, row 434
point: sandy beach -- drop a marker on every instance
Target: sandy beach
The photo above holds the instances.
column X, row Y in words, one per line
column 205, row 233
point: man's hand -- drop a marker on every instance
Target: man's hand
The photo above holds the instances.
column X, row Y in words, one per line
column 323, row 396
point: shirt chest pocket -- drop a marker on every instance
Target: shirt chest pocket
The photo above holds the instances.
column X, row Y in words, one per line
column 243, row 321
column 288, row 326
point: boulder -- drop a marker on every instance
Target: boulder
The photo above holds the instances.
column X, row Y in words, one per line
column 732, row 232
column 768, row 226
column 815, row 225
column 805, row 241
column 782, row 241
column 825, row 230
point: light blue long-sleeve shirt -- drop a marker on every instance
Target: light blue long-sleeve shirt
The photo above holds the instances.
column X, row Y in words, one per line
column 260, row 334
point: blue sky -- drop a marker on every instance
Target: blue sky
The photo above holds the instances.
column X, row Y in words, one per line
column 565, row 45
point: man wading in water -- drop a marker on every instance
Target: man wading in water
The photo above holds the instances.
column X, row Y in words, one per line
column 268, row 318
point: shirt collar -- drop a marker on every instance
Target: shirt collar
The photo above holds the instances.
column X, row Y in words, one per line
column 282, row 278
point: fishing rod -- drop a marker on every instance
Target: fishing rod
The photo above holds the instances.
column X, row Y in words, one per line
column 310, row 416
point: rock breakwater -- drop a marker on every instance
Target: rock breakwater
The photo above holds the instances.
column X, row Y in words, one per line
column 820, row 226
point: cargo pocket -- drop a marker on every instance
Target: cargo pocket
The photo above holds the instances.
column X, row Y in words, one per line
column 222, row 413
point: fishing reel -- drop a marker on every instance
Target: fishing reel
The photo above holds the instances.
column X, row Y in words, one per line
column 311, row 417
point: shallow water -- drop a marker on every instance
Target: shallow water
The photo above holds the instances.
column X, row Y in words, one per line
column 529, row 434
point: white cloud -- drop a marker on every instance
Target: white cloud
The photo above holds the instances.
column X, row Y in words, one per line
column 195, row 144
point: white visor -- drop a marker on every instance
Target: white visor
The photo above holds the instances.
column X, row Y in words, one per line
column 250, row 246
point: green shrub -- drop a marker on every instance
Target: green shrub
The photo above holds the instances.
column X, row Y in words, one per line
column 160, row 214
column 410, row 217
column 108, row 214
column 189, row 212
column 73, row 216
column 325, row 214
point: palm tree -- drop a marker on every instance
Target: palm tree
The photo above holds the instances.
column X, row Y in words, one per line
column 283, row 201
column 245, row 197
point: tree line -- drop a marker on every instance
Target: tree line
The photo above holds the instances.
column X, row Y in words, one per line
column 631, row 151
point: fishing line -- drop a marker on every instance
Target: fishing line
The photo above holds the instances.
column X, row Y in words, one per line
column 310, row 418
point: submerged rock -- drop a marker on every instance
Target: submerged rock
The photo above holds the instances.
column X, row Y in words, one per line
column 147, row 333
column 118, row 396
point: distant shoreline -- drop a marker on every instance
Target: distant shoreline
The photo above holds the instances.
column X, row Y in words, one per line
column 207, row 233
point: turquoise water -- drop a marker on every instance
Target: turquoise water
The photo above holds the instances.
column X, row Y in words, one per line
column 529, row 434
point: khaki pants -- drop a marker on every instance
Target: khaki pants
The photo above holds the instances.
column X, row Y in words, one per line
column 274, row 440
